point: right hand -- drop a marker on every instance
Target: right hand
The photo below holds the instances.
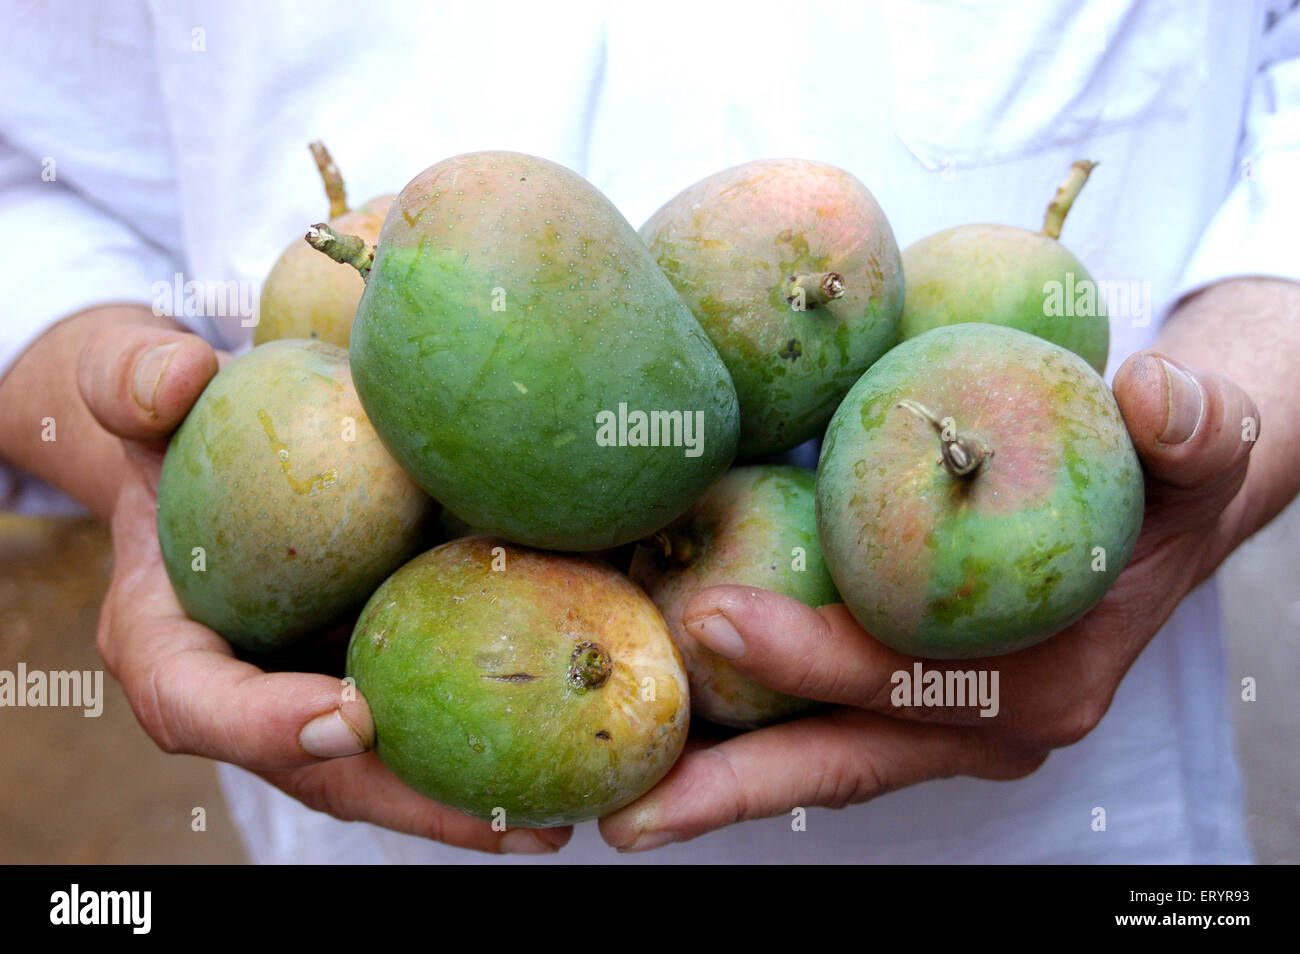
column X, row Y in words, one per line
column 190, row 693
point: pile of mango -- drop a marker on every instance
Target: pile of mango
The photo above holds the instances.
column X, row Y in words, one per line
column 577, row 427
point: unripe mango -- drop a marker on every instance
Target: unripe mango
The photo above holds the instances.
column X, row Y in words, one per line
column 278, row 507
column 1002, row 275
column 538, row 689
column 757, row 527
column 792, row 270
column 977, row 492
column 528, row 363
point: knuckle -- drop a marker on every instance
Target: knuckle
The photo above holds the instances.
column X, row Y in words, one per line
column 151, row 711
column 314, row 789
column 841, row 785
column 1075, row 722
column 729, row 783
column 998, row 758
column 104, row 639
column 1021, row 761
column 805, row 676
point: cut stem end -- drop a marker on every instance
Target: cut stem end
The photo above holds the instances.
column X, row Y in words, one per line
column 810, row 290
column 963, row 455
column 676, row 547
column 343, row 248
column 589, row 666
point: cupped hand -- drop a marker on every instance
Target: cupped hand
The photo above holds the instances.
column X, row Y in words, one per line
column 1193, row 431
column 300, row 731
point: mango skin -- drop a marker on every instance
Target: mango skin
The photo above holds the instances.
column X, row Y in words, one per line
column 494, row 412
column 297, row 523
column 467, row 673
column 308, row 295
column 745, row 532
column 997, row 274
column 937, row 568
column 730, row 243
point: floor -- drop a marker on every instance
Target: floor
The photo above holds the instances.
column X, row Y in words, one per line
column 83, row 790
column 76, row 789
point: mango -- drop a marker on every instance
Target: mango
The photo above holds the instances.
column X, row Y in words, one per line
column 536, row 689
column 1010, row 276
column 756, row 527
column 977, row 492
column 528, row 363
column 305, row 295
column 278, row 507
column 792, row 269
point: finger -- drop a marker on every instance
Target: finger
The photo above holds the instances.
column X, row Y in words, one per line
column 140, row 382
column 842, row 757
column 1192, row 428
column 184, row 684
column 824, row 654
column 818, row 654
column 363, row 789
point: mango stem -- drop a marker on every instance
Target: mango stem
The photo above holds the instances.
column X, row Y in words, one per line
column 1066, row 193
column 677, row 547
column 589, row 665
column 816, row 288
column 333, row 179
column 343, row 248
column 963, row 454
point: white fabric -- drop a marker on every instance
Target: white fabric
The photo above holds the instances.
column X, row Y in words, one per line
column 179, row 133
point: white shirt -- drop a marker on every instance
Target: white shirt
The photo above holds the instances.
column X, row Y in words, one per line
column 178, row 138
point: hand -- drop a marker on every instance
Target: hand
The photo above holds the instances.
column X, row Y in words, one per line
column 1187, row 427
column 185, row 685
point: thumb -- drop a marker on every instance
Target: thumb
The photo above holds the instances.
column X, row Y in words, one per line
column 140, row 382
column 1193, row 430
column 1191, row 427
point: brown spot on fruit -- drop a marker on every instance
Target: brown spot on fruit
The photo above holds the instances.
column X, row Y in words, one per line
column 791, row 351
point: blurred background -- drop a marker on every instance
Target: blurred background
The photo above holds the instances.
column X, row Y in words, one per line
column 93, row 791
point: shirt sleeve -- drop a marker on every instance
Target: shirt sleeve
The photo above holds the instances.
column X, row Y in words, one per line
column 1253, row 232
column 75, row 255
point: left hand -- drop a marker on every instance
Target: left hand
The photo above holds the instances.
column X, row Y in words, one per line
column 1186, row 425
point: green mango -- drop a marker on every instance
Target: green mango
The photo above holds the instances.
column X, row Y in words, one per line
column 513, row 342
column 1002, row 275
column 757, row 527
column 503, row 679
column 977, row 492
column 792, row 269
column 278, row 507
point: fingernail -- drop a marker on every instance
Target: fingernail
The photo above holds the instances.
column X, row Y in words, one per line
column 329, row 736
column 650, row 840
column 716, row 632
column 1185, row 403
column 149, row 370
column 524, row 842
